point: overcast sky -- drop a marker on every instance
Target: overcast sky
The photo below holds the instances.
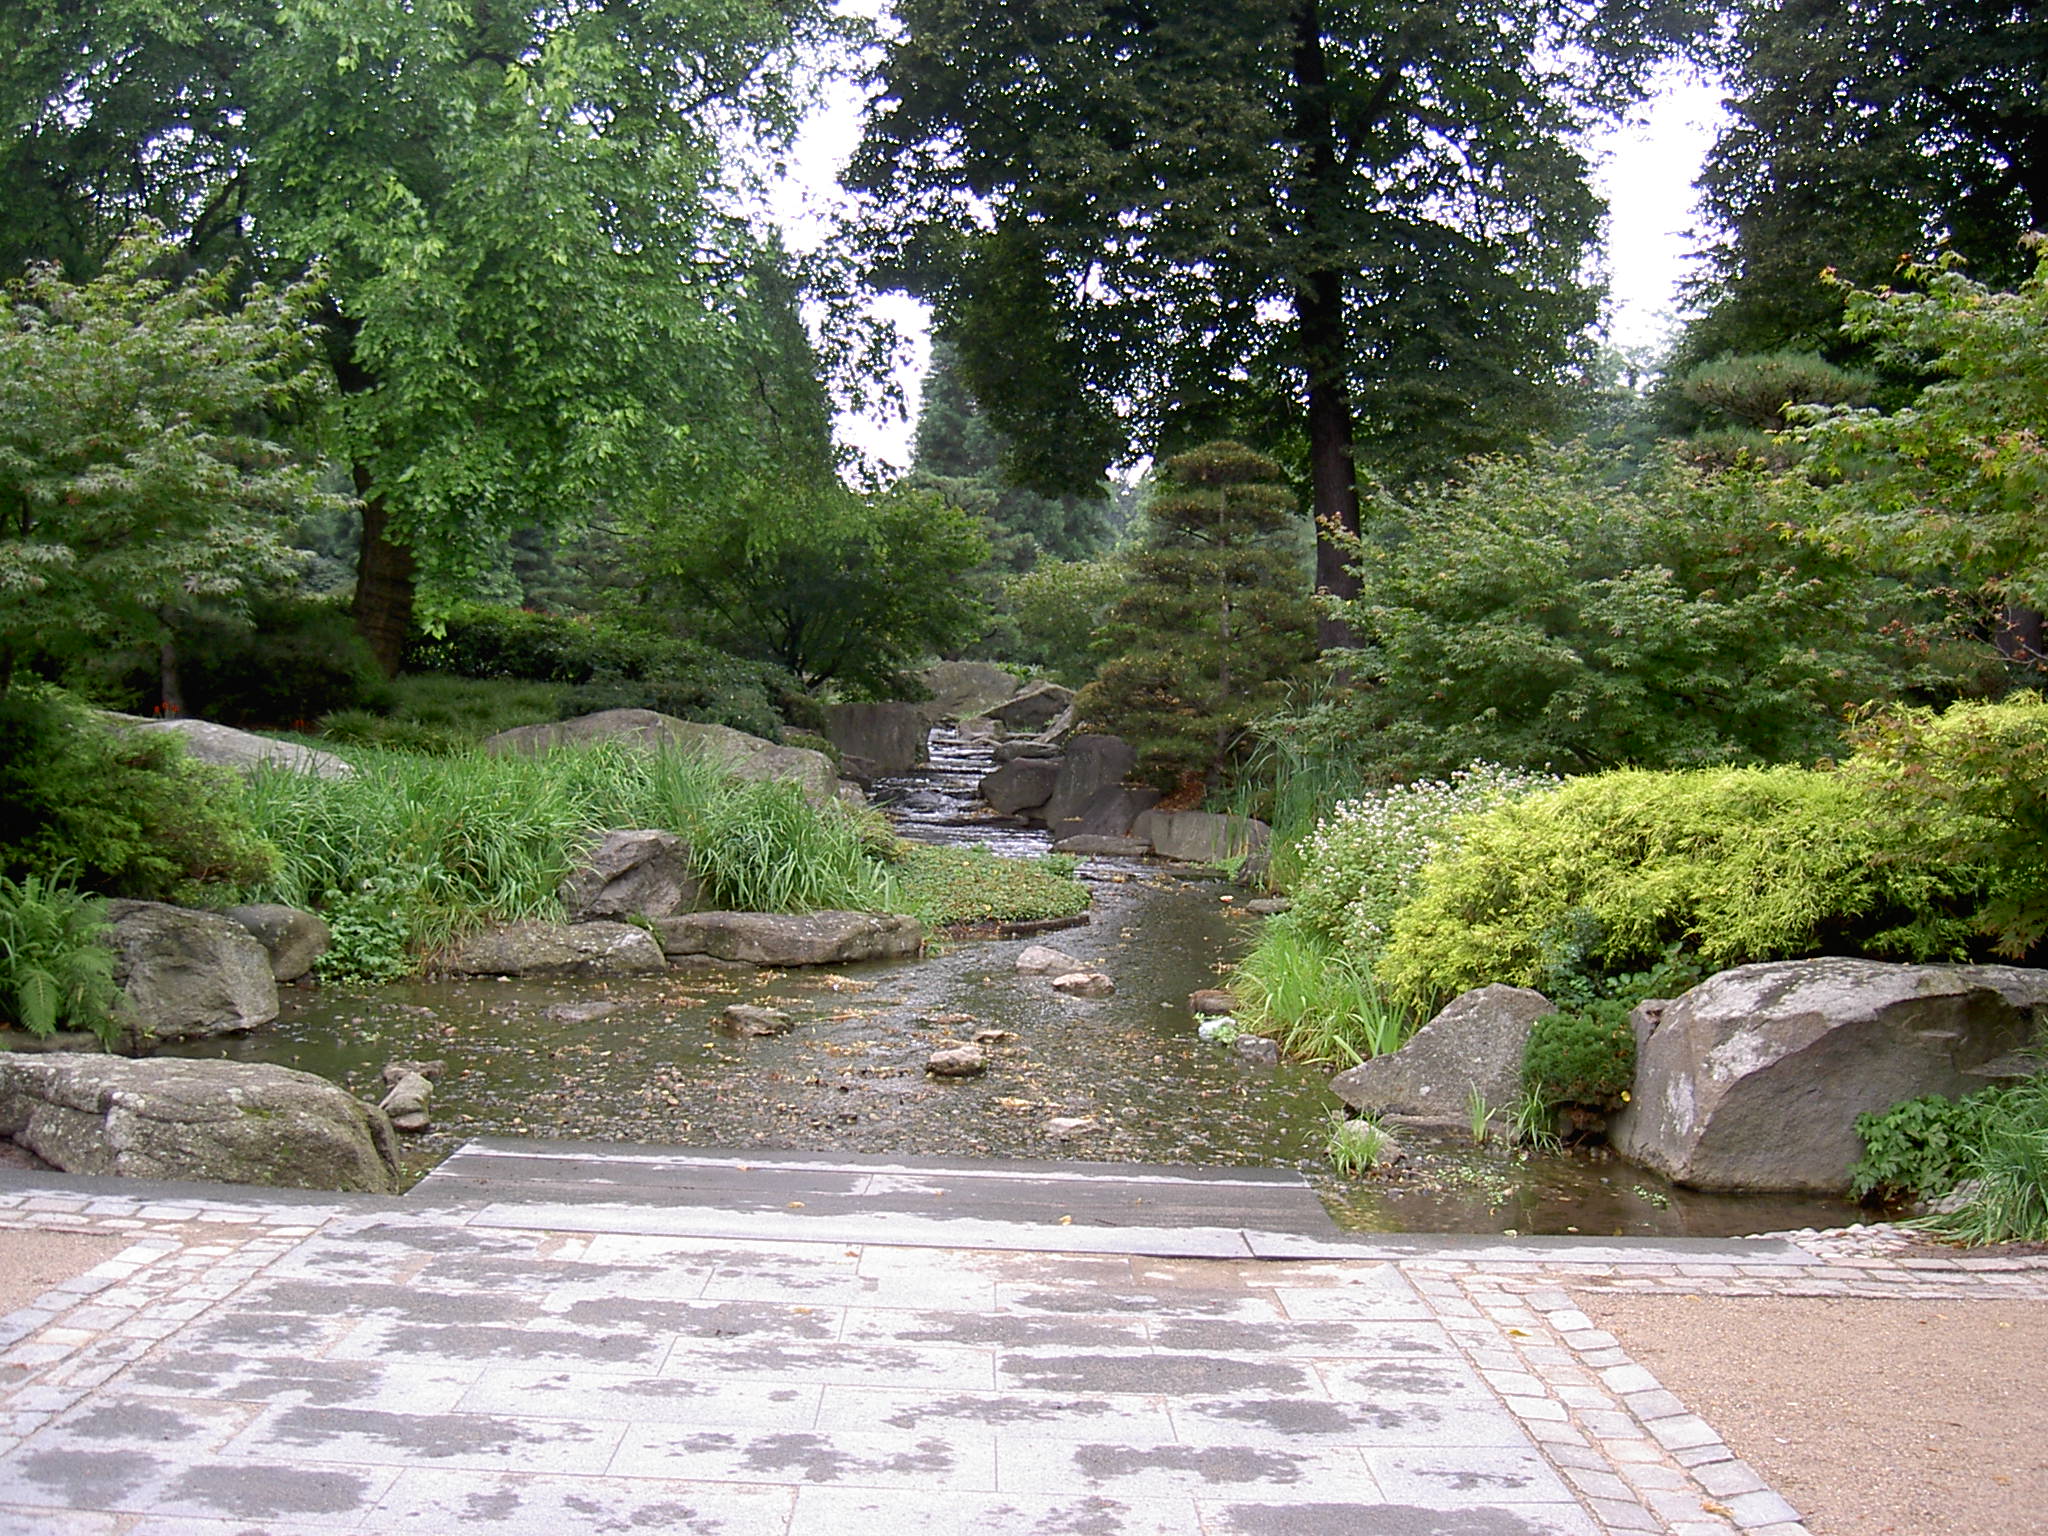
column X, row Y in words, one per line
column 1646, row 171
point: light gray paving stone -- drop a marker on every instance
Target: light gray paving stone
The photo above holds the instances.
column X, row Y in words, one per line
column 832, row 1363
column 1763, row 1507
column 832, row 1511
column 983, row 1329
column 53, row 1522
column 1455, row 1477
column 520, row 1504
column 1045, row 1415
column 1245, row 1518
column 466, row 1441
column 1624, row 1515
column 928, row 1462
column 589, row 1396
column 1134, row 1470
column 1725, row 1479
column 197, row 1375
column 480, row 1344
column 1185, row 1305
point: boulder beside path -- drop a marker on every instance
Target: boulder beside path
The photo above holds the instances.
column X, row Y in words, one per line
column 229, row 1122
column 1473, row 1046
column 185, row 975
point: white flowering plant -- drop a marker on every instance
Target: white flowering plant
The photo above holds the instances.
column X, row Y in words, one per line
column 1364, row 861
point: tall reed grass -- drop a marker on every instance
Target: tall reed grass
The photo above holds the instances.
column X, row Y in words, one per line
column 413, row 851
column 1319, row 1002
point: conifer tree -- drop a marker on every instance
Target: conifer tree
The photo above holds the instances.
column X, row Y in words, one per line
column 1214, row 623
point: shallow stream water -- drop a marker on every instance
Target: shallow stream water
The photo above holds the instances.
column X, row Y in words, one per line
column 526, row 1058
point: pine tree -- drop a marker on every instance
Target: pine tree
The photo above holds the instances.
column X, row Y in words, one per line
column 1214, row 624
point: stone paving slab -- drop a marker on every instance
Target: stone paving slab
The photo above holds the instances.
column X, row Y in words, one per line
column 324, row 1363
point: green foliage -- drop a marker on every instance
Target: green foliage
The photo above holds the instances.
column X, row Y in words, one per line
column 833, row 587
column 1213, row 623
column 1054, row 610
column 411, row 852
column 1610, row 872
column 1364, row 861
column 606, row 664
column 1952, row 484
column 1356, row 1147
column 130, row 479
column 56, row 966
column 1541, row 616
column 947, row 887
column 127, row 812
column 1315, row 997
column 2009, row 1162
column 1970, row 786
column 1752, row 391
column 1582, row 1057
column 1920, row 1146
column 438, row 714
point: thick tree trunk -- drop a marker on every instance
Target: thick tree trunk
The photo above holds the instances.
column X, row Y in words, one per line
column 2021, row 638
column 170, row 693
column 384, row 584
column 1324, row 338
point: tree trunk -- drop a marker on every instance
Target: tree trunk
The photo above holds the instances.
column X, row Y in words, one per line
column 170, row 695
column 1324, row 339
column 384, row 583
column 2020, row 637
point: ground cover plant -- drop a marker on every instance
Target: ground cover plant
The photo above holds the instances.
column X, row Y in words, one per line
column 56, row 966
column 947, row 887
column 1989, row 1148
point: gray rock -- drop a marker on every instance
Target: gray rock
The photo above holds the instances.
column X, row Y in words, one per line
column 746, row 1019
column 780, row 939
column 185, row 975
column 1109, row 813
column 887, row 738
column 1104, row 847
column 1044, row 960
column 1091, row 765
column 1269, row 906
column 555, row 949
column 961, row 689
column 1212, row 1002
column 578, row 1013
column 1084, row 984
column 293, row 939
column 1033, row 708
column 1010, row 751
column 630, row 874
column 231, row 1122
column 1204, row 837
column 1257, row 1048
column 1475, row 1043
column 1023, row 784
column 956, row 1060
column 742, row 756
column 243, row 751
column 1067, row 1127
column 411, row 1091
column 1753, row 1080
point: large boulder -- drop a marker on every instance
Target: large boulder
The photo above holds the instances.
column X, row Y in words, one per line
column 879, row 738
column 1091, row 765
column 233, row 1122
column 1753, row 1080
column 293, row 939
column 1032, row 708
column 1204, row 837
column 243, row 751
column 781, row 939
column 960, row 689
column 555, row 949
column 1474, row 1045
column 185, row 975
column 741, row 755
column 1110, row 813
column 1023, row 784
column 630, row 874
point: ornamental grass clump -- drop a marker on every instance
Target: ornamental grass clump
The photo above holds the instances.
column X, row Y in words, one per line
column 1319, row 1002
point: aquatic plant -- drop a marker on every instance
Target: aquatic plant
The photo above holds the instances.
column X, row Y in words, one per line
column 1313, row 997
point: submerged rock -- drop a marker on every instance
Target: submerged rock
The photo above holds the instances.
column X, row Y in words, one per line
column 1212, row 1000
column 1084, row 984
column 232, row 1122
column 957, row 1060
column 760, row 1023
column 1043, row 959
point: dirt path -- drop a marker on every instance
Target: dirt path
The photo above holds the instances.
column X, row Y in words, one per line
column 1874, row 1418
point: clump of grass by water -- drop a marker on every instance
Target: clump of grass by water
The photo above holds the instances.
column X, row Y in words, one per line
column 411, row 852
column 946, row 887
column 1356, row 1147
column 1321, row 1005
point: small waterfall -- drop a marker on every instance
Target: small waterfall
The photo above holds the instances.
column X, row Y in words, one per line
column 939, row 803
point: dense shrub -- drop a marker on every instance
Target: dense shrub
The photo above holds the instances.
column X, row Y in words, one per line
column 1363, row 862
column 1540, row 616
column 1053, row 611
column 129, row 814
column 1728, row 865
column 605, row 665
column 1583, row 1056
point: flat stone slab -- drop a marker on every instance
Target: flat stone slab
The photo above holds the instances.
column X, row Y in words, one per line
column 780, row 939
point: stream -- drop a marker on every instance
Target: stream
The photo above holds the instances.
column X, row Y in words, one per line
column 1117, row 1079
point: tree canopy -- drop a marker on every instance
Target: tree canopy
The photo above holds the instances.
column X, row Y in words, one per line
column 1302, row 220
column 511, row 206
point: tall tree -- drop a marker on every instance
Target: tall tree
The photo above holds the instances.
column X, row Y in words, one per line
column 1362, row 226
column 1860, row 133
column 511, row 201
